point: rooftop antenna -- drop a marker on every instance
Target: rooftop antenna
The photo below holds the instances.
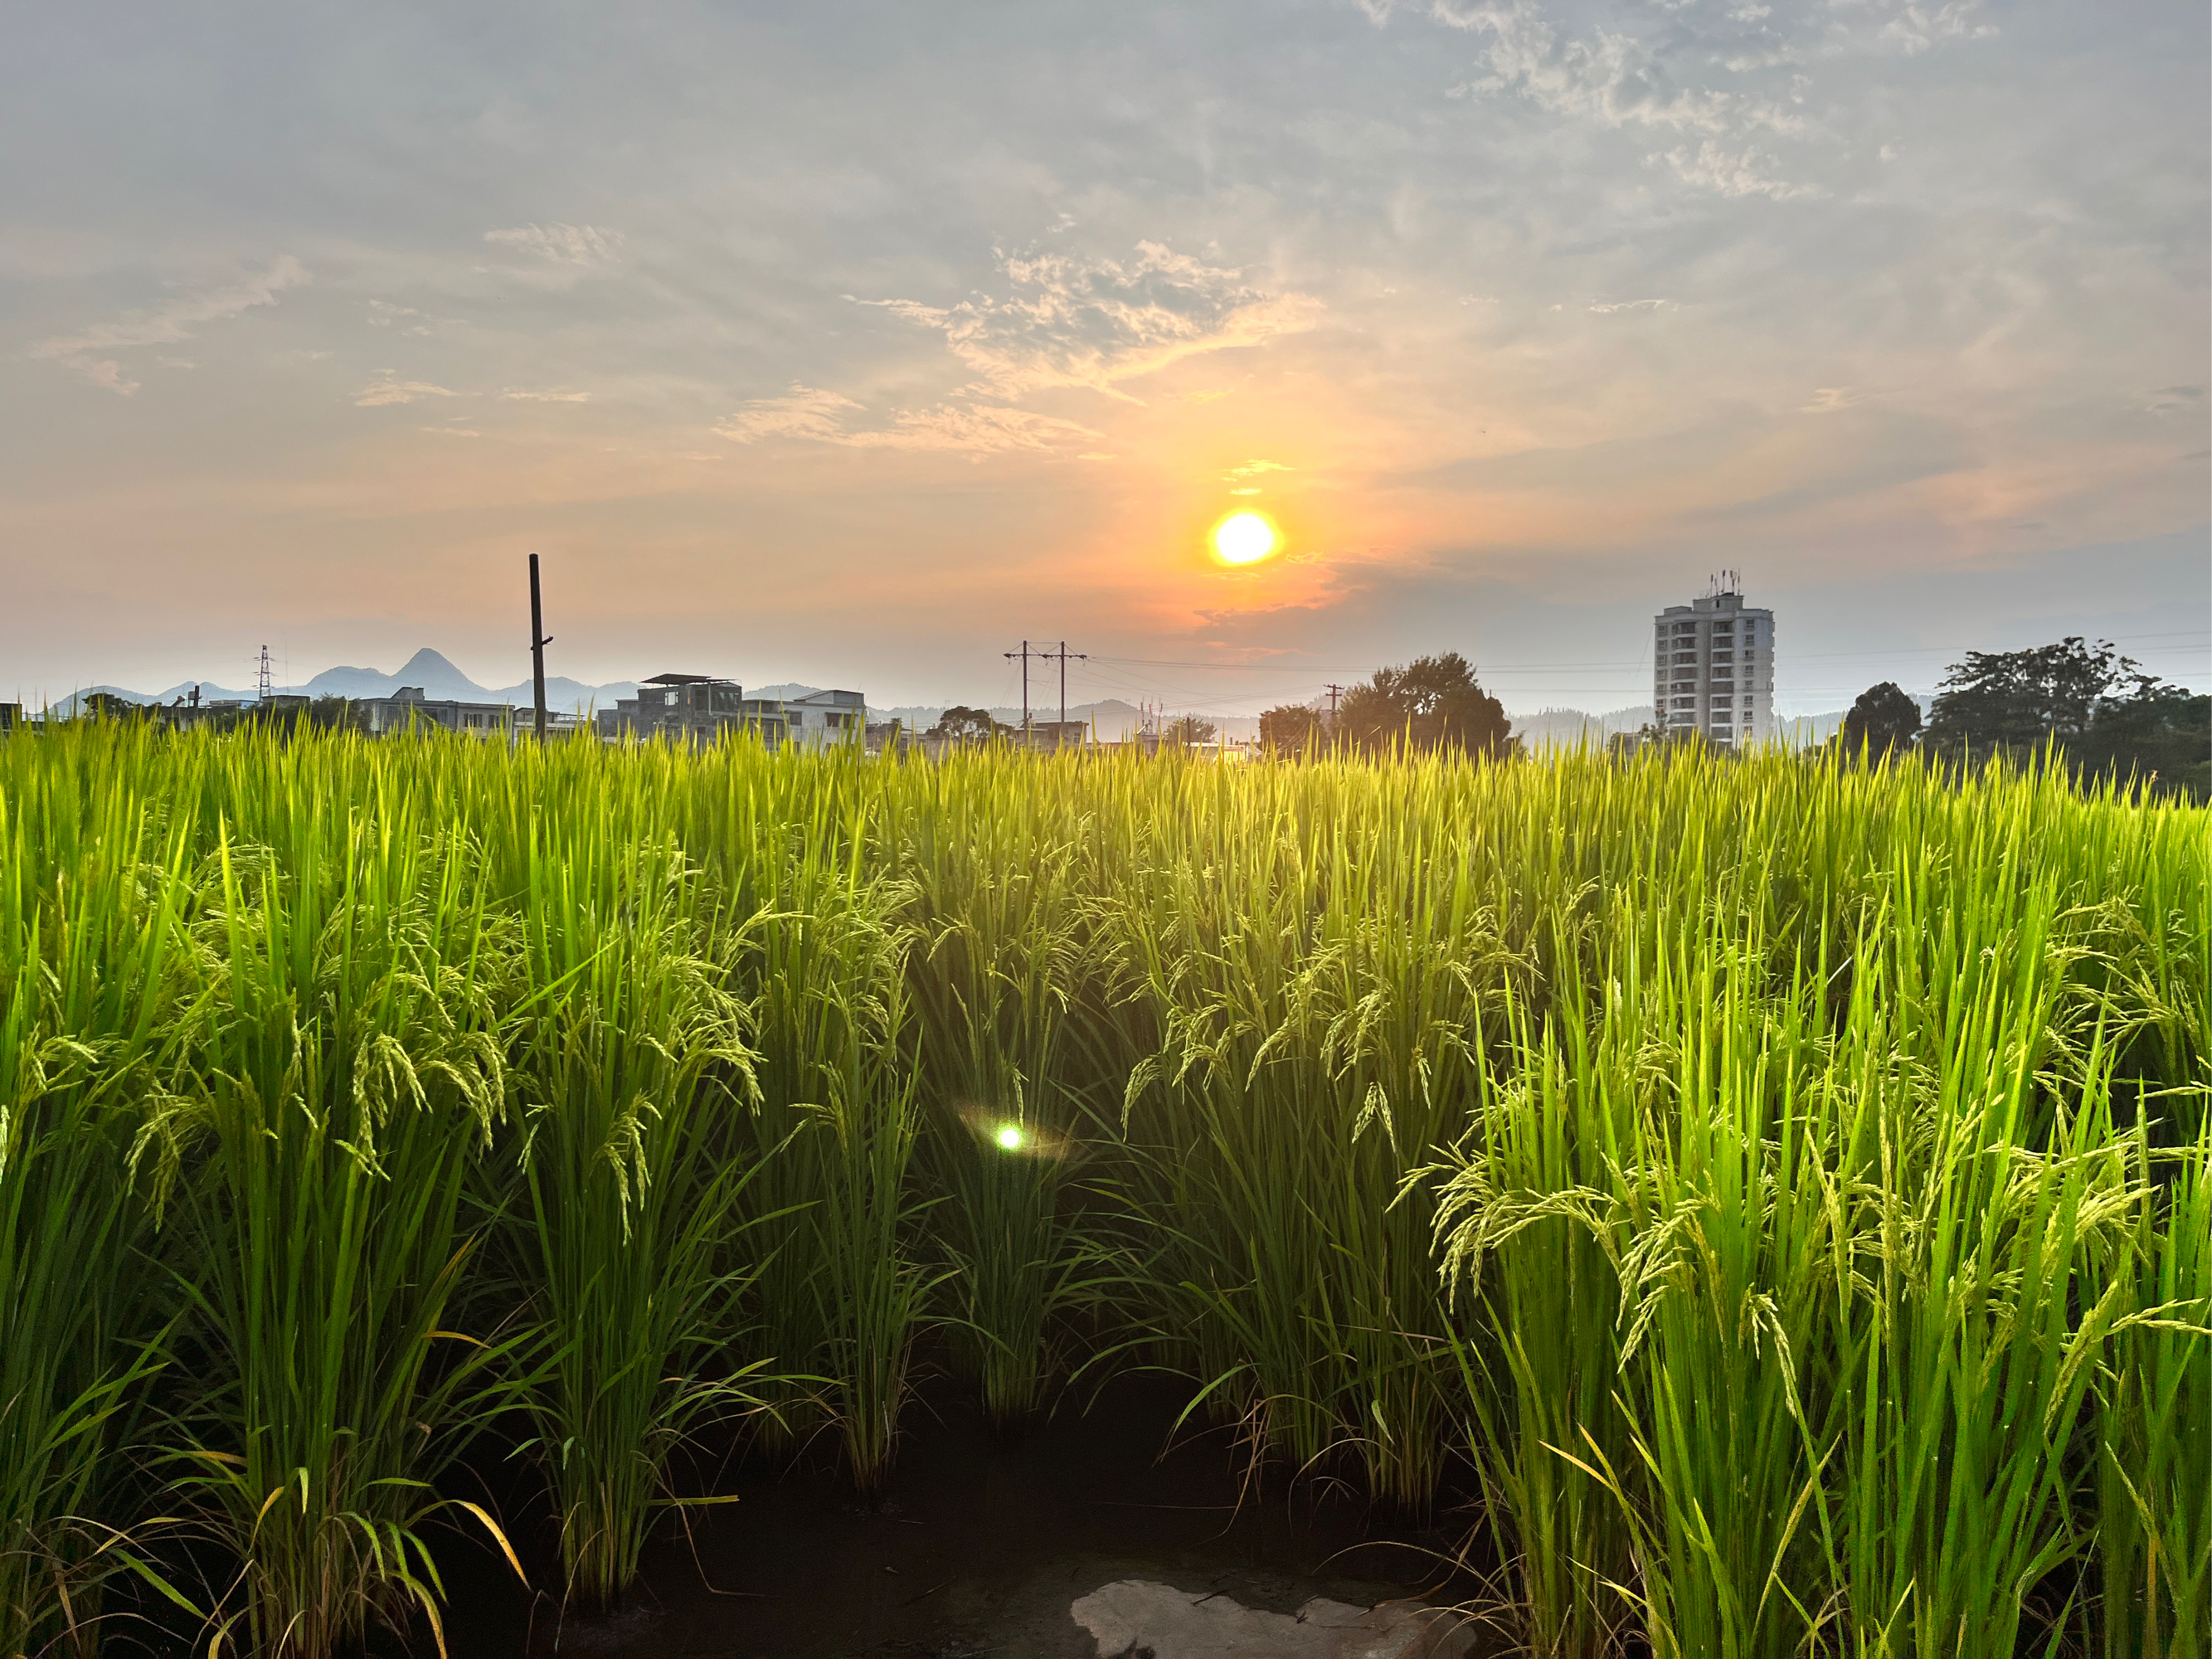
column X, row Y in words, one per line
column 261, row 683
column 538, row 641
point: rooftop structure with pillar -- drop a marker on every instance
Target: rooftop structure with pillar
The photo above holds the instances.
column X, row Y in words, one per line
column 692, row 709
column 1712, row 667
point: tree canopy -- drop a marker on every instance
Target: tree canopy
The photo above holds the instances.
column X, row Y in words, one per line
column 1291, row 727
column 2099, row 707
column 1188, row 730
column 963, row 724
column 1884, row 721
column 1432, row 702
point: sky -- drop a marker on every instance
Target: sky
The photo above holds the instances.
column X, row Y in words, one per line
column 854, row 345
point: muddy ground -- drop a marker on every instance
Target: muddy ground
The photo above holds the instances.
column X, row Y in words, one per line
column 980, row 1545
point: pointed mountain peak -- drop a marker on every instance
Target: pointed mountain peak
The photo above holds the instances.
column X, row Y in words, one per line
column 439, row 678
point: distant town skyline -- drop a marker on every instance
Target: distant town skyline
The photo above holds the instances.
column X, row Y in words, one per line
column 849, row 345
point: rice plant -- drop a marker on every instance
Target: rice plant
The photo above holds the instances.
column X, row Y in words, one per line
column 101, row 999
column 636, row 1071
column 998, row 980
column 1779, row 1188
column 320, row 1140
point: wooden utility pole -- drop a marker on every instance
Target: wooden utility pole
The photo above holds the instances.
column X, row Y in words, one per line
column 1023, row 654
column 538, row 644
column 1332, row 687
column 1061, row 656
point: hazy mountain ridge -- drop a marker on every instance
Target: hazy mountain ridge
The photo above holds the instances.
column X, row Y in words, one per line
column 430, row 670
column 1111, row 719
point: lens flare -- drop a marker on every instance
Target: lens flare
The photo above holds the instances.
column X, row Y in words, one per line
column 1245, row 539
column 1000, row 1128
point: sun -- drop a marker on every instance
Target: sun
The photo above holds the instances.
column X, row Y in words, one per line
column 1245, row 539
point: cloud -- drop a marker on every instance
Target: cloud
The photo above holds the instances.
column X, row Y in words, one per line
column 1073, row 322
column 1620, row 81
column 1913, row 28
column 1607, row 310
column 1253, row 469
column 523, row 395
column 805, row 411
column 382, row 313
column 1717, row 167
column 176, row 363
column 973, row 429
column 1827, row 400
column 377, row 393
column 561, row 245
column 2176, row 399
column 454, row 431
column 1614, row 80
column 809, row 413
column 166, row 324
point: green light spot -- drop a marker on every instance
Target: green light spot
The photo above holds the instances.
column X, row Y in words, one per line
column 1010, row 1138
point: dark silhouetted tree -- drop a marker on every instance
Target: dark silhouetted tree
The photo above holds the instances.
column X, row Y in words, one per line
column 2109, row 716
column 966, row 725
column 2023, row 698
column 1432, row 702
column 1188, row 730
column 1290, row 728
column 2158, row 733
column 1883, row 721
column 107, row 706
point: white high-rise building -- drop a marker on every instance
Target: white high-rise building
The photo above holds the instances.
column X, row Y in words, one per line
column 1712, row 667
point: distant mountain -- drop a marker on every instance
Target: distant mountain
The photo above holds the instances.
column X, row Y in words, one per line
column 436, row 676
column 1563, row 728
column 566, row 696
column 1111, row 720
column 1807, row 730
column 430, row 670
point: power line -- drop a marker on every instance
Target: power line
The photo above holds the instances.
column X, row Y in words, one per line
column 1617, row 662
column 1061, row 655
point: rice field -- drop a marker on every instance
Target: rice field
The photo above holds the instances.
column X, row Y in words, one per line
column 1780, row 1191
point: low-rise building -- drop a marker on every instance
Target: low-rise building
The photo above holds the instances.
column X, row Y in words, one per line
column 1053, row 734
column 692, row 709
column 822, row 718
column 407, row 709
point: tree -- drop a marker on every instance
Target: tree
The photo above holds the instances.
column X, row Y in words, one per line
column 107, row 706
column 962, row 724
column 1290, row 728
column 2160, row 731
column 2109, row 716
column 1433, row 702
column 1883, row 721
column 1188, row 730
column 1650, row 735
column 2024, row 699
